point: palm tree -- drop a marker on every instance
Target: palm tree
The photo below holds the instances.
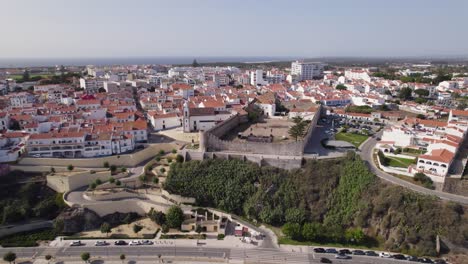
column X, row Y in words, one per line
column 122, row 258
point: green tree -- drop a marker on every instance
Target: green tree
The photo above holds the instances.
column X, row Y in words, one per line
column 113, row 168
column 26, row 76
column 354, row 235
column 155, row 180
column 111, row 180
column 52, row 170
column 405, row 93
column 93, row 186
column 122, row 258
column 157, row 216
column 298, row 129
column 98, row 182
column 179, row 158
column 137, row 228
column 341, row 87
column 311, row 231
column 295, row 215
column 123, row 169
column 48, row 257
column 174, row 217
column 106, row 164
column 174, row 151
column 85, row 256
column 105, row 228
column 292, row 230
column 9, row 257
column 143, row 179
column 422, row 92
column 70, row 167
column 118, row 183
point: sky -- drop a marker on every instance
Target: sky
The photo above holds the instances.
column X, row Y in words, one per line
column 305, row 28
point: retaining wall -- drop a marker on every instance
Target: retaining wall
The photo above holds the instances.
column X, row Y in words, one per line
column 178, row 198
column 64, row 183
column 127, row 160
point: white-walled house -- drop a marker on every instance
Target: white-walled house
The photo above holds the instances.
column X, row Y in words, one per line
column 161, row 121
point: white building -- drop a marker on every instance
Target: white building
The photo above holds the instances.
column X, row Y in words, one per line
column 257, row 78
column 165, row 121
column 307, row 70
column 22, row 99
column 195, row 119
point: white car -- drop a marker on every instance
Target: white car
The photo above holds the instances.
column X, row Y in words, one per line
column 101, row 243
column 385, row 255
column 134, row 243
column 75, row 243
column 146, row 242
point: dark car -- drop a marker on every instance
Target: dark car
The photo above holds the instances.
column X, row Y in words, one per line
column 331, row 250
column 399, row 256
column 345, row 251
column 342, row 256
column 325, row 260
column 440, row 261
column 425, row 260
column 319, row 250
column 412, row 258
column 358, row 252
column 371, row 253
column 120, row 243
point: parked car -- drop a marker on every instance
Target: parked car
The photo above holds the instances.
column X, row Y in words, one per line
column 319, row 250
column 325, row 260
column 345, row 251
column 371, row 253
column 120, row 243
column 147, row 242
column 358, row 252
column 76, row 243
column 342, row 256
column 134, row 243
column 412, row 258
column 101, row 243
column 440, row 261
column 425, row 260
column 331, row 251
column 399, row 256
column 385, row 255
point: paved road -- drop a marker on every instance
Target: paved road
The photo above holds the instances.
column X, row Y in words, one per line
column 232, row 255
column 366, row 150
column 314, row 146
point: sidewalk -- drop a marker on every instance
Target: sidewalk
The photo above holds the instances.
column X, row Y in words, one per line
column 227, row 242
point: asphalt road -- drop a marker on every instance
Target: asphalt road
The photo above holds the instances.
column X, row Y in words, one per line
column 257, row 255
column 366, row 154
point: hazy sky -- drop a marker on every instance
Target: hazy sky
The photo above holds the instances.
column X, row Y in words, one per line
column 118, row 28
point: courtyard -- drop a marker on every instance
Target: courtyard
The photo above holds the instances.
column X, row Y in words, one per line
column 262, row 130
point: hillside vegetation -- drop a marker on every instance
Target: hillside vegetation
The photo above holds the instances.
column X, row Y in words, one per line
column 332, row 201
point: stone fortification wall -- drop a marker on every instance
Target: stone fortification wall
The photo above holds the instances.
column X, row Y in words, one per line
column 211, row 139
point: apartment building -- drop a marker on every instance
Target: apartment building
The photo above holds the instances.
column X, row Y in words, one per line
column 306, row 70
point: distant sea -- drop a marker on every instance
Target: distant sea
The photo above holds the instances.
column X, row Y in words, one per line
column 44, row 62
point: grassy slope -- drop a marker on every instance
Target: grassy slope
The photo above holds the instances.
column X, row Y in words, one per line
column 354, row 139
